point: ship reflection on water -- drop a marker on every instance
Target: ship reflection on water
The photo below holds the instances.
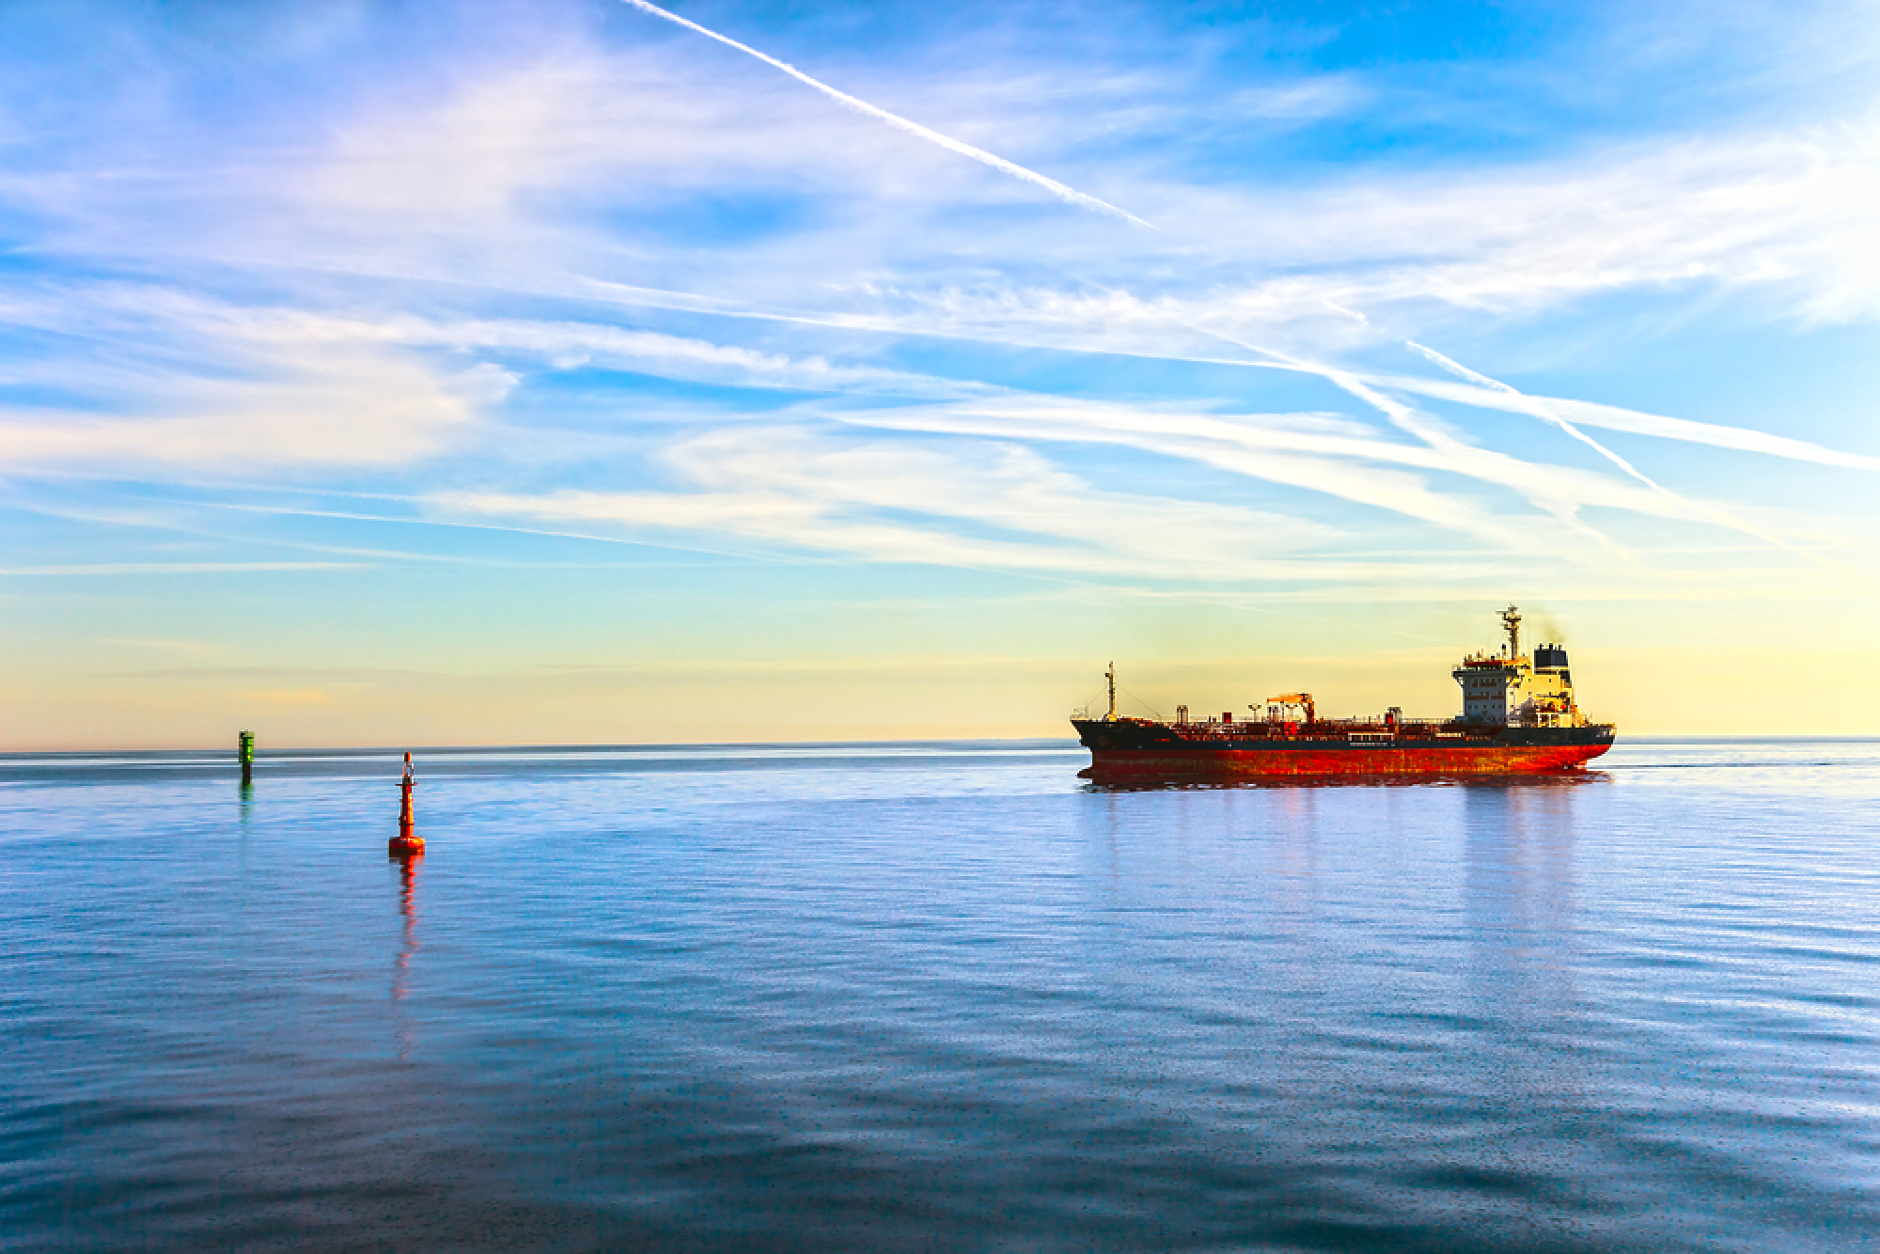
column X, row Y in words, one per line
column 1516, row 783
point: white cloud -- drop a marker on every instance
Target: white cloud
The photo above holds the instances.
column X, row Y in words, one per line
column 337, row 407
column 95, row 569
column 951, row 502
column 1364, row 469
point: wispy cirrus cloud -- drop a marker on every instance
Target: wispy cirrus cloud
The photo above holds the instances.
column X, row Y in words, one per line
column 400, row 278
column 115, row 569
column 973, row 494
column 952, row 502
column 333, row 408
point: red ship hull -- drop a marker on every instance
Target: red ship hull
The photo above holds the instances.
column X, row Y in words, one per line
column 1138, row 752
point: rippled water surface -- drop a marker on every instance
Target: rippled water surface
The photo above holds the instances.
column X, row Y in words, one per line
column 937, row 997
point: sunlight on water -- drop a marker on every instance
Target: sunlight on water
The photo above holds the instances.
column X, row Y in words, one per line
column 937, row 996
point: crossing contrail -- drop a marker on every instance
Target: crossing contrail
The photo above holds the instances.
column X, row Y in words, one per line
column 1539, row 411
column 1536, row 409
column 1068, row 195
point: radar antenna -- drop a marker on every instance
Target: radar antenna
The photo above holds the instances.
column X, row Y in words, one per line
column 1511, row 620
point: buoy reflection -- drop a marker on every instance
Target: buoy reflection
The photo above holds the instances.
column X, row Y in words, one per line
column 408, row 945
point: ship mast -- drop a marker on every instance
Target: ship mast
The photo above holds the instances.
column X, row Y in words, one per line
column 1512, row 621
column 1111, row 676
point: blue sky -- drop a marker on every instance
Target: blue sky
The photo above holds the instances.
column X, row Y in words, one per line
column 553, row 371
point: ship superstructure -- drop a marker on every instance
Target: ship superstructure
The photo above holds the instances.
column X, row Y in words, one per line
column 1506, row 688
column 1518, row 715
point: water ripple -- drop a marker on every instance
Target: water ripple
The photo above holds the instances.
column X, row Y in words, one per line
column 937, row 997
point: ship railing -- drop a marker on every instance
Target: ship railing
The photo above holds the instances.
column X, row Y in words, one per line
column 1371, row 730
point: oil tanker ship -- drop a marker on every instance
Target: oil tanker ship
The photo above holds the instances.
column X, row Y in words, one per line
column 1518, row 716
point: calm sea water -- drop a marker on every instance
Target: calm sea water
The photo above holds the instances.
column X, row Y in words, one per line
column 937, row 997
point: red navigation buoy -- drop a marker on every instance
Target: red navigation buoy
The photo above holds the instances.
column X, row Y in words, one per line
column 407, row 843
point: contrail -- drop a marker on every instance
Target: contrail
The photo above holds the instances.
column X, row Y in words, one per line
column 1069, row 195
column 1405, row 419
column 1537, row 410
